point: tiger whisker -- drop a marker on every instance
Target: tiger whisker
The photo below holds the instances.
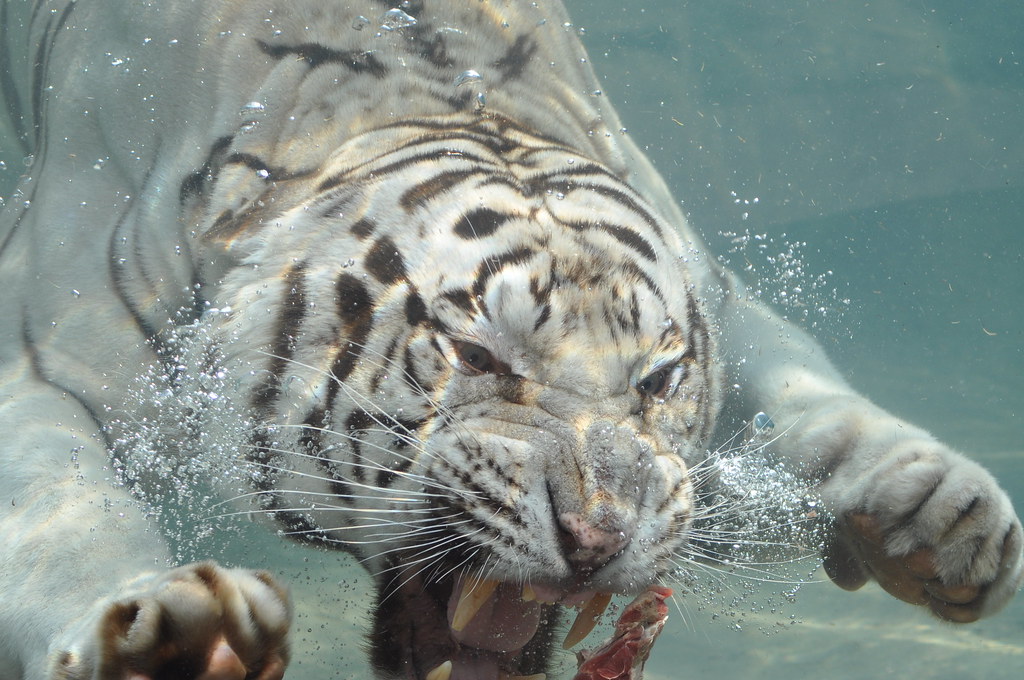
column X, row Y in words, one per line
column 437, row 405
column 346, row 480
column 385, row 492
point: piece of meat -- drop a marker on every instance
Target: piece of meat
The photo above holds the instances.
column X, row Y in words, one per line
column 622, row 656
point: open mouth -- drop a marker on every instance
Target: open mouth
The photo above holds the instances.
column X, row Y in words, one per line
column 493, row 626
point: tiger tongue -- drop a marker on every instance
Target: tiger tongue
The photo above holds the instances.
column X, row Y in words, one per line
column 503, row 623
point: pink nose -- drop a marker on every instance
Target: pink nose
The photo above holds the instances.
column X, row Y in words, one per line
column 586, row 546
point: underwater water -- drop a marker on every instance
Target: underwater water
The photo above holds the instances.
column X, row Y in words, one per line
column 876, row 149
column 864, row 163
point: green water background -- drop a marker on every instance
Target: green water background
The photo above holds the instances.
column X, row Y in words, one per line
column 878, row 147
column 888, row 137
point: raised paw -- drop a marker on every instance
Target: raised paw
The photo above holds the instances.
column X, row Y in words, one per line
column 198, row 622
column 935, row 530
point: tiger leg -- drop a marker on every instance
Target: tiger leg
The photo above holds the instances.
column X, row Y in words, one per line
column 84, row 588
column 930, row 526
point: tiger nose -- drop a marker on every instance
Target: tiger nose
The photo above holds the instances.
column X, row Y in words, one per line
column 586, row 546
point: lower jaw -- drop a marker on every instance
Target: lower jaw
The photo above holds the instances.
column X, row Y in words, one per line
column 527, row 663
column 420, row 634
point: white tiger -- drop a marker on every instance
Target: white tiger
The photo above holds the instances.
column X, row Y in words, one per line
column 458, row 308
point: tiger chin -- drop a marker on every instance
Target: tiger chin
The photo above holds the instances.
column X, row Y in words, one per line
column 459, row 329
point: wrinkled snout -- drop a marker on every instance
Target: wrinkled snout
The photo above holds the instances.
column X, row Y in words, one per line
column 596, row 491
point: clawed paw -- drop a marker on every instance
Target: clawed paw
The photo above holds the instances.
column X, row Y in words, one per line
column 913, row 577
column 933, row 530
column 198, row 622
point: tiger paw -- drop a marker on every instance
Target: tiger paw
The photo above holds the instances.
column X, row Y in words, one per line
column 933, row 529
column 198, row 622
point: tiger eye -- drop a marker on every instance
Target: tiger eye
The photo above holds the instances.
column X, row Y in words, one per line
column 656, row 384
column 478, row 358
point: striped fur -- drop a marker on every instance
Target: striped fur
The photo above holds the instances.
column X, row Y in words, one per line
column 464, row 323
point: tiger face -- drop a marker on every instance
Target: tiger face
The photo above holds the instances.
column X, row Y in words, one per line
column 503, row 373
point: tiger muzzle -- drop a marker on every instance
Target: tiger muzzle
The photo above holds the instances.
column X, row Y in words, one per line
column 595, row 493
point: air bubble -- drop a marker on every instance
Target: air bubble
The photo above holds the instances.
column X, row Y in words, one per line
column 763, row 423
column 395, row 19
column 468, row 76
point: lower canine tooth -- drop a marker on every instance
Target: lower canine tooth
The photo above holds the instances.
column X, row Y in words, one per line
column 474, row 593
column 528, row 594
column 586, row 619
column 442, row 672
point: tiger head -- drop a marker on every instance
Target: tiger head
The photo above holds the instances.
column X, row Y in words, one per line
column 484, row 371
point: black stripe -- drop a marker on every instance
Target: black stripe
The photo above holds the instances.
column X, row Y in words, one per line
column 507, row 181
column 480, row 223
column 7, row 86
column 542, row 318
column 356, row 425
column 385, row 262
column 291, row 314
column 120, row 277
column 38, row 65
column 222, row 221
column 260, row 453
column 462, row 299
column 435, row 51
column 632, row 269
column 357, row 61
column 631, row 238
column 128, row 247
column 386, row 365
column 624, row 235
column 432, row 156
column 412, row 379
column 299, row 528
column 406, row 429
column 578, row 171
column 634, row 308
column 363, row 228
column 565, row 186
column 255, row 164
column 492, row 265
column 24, row 207
column 415, row 309
column 680, row 487
column 541, row 295
column 229, row 225
column 495, row 131
column 194, row 183
column 355, row 307
column 433, row 187
column 698, row 337
column 513, row 63
column 42, row 67
column 311, row 439
column 39, row 370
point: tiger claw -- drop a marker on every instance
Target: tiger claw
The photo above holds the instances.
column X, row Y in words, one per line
column 199, row 622
column 913, row 578
column 223, row 664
